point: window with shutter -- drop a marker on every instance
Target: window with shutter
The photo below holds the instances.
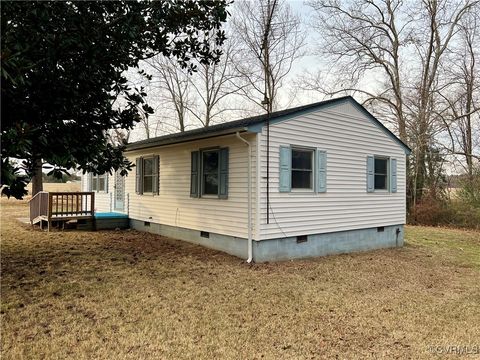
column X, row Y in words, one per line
column 302, row 169
column 381, row 174
column 209, row 173
column 147, row 176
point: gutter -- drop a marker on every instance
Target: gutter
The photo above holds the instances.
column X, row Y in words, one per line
column 250, row 240
column 179, row 138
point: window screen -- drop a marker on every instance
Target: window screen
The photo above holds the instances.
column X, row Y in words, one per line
column 148, row 175
column 381, row 174
column 302, row 169
column 210, row 172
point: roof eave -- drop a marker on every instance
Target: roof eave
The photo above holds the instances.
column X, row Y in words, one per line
column 258, row 126
column 193, row 137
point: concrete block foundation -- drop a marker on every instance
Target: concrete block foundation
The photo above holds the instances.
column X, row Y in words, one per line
column 288, row 248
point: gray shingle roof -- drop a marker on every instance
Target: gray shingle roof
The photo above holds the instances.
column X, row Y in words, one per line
column 243, row 124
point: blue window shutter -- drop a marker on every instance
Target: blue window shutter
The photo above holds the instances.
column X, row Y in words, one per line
column 156, row 175
column 370, row 173
column 223, row 173
column 393, row 175
column 139, row 175
column 194, row 174
column 321, row 185
column 285, row 176
column 106, row 182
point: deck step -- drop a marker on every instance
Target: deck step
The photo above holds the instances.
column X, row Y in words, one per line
column 38, row 219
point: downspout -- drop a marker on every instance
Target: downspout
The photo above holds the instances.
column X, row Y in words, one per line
column 250, row 245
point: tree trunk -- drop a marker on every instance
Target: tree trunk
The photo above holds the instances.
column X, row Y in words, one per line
column 37, row 180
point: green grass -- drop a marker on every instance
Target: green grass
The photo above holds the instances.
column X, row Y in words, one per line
column 461, row 247
column 131, row 295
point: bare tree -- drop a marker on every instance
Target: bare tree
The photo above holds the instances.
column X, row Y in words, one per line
column 406, row 45
column 271, row 39
column 120, row 136
column 439, row 23
column 461, row 95
column 361, row 36
column 170, row 85
column 213, row 84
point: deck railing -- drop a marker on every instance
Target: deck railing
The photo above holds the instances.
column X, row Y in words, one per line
column 51, row 206
column 70, row 204
column 39, row 205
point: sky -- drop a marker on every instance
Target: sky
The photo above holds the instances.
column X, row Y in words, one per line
column 311, row 62
column 307, row 62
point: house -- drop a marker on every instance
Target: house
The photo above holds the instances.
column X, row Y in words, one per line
column 313, row 180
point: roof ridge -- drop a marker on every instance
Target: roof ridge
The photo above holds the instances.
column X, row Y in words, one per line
column 248, row 124
column 250, row 120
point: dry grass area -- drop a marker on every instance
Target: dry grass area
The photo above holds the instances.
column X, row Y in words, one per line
column 60, row 187
column 130, row 295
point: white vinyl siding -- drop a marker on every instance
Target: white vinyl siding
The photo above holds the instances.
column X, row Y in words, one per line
column 343, row 135
column 348, row 137
column 102, row 199
column 175, row 207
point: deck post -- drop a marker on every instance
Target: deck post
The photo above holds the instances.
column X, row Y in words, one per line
column 92, row 203
column 49, row 213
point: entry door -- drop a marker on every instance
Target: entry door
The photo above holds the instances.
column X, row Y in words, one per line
column 119, row 191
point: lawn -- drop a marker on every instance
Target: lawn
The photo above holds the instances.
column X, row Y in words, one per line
column 131, row 295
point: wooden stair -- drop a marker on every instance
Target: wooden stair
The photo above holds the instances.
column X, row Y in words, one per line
column 61, row 207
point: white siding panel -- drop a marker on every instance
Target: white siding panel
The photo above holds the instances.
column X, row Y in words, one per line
column 174, row 206
column 348, row 136
column 83, row 183
column 102, row 200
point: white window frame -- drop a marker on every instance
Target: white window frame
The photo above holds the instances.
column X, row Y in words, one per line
column 387, row 175
column 202, row 173
column 97, row 178
column 144, row 159
column 312, row 178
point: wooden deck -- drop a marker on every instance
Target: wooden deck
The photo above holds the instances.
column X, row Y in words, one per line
column 61, row 207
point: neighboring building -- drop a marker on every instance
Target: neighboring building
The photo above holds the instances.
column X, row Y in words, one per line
column 336, row 183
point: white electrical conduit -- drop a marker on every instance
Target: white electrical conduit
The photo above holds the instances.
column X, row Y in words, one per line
column 249, row 179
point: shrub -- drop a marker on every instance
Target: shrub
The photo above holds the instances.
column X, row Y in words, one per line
column 454, row 213
column 470, row 189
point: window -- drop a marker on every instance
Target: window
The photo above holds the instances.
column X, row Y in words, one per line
column 147, row 175
column 302, row 169
column 381, row 173
column 98, row 183
column 210, row 172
